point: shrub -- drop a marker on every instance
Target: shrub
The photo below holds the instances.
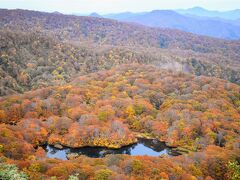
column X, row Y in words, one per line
column 9, row 172
column 103, row 116
column 102, row 174
column 106, row 113
column 234, row 169
column 136, row 124
column 137, row 167
column 73, row 177
column 37, row 167
column 138, row 109
column 1, row 148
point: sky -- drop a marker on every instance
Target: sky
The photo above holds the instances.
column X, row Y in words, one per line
column 116, row 6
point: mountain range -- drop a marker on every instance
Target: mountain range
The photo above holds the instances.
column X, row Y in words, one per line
column 195, row 20
column 199, row 11
column 77, row 93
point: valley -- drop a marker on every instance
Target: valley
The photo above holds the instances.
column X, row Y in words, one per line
column 95, row 98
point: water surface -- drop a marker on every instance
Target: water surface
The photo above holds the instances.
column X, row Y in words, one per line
column 142, row 147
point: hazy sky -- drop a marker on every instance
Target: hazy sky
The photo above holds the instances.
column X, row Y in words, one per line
column 108, row 6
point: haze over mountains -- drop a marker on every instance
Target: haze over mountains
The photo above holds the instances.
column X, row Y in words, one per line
column 195, row 20
column 199, row 11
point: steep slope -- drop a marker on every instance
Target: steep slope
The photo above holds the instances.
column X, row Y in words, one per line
column 105, row 31
column 29, row 61
column 41, row 49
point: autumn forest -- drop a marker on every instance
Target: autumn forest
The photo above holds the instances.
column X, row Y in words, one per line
column 74, row 81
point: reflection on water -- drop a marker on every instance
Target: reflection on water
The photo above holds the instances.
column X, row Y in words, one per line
column 143, row 147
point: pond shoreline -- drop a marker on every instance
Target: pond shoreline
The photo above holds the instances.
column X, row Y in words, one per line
column 143, row 146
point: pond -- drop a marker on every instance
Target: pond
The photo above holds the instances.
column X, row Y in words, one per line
column 142, row 147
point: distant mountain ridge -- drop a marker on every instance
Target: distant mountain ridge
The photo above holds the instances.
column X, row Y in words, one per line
column 95, row 15
column 209, row 26
column 199, row 11
column 122, row 16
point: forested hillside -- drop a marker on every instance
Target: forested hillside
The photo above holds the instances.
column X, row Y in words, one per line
column 70, row 83
column 41, row 49
column 105, row 31
column 197, row 115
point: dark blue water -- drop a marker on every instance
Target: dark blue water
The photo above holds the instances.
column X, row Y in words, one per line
column 143, row 147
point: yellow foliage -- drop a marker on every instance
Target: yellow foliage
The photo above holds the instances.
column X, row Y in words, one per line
column 1, row 148
column 195, row 171
column 130, row 111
